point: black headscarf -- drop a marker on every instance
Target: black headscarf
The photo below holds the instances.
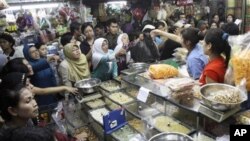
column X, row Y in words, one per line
column 13, row 81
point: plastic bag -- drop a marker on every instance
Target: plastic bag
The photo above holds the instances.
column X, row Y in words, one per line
column 241, row 66
column 240, row 60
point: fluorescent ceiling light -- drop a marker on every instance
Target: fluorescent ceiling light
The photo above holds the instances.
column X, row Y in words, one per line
column 33, row 6
column 117, row 2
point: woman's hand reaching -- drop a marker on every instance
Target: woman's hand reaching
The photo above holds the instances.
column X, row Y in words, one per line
column 71, row 90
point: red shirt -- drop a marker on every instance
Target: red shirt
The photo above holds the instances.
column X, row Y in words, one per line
column 215, row 70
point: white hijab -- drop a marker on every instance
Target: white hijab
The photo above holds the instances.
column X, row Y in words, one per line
column 97, row 52
column 120, row 45
column 119, row 42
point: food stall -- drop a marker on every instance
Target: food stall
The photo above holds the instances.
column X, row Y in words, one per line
column 172, row 105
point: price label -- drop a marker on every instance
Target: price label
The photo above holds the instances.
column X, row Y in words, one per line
column 143, row 94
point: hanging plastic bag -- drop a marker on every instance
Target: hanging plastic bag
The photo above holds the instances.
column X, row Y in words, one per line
column 3, row 4
column 241, row 66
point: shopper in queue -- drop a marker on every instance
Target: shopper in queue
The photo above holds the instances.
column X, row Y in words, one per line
column 54, row 59
column 146, row 50
column 122, row 43
column 75, row 30
column 43, row 74
column 21, row 65
column 113, row 33
column 104, row 60
column 7, row 43
column 87, row 44
column 75, row 65
column 215, row 44
column 17, row 104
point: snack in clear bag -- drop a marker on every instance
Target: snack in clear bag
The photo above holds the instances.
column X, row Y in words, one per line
column 240, row 59
column 180, row 84
column 241, row 66
column 161, row 71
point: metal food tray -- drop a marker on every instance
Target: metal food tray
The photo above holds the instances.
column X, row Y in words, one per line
column 96, row 125
column 102, row 99
column 132, row 71
column 87, row 98
column 149, row 134
column 192, row 130
column 115, row 138
column 131, row 88
column 107, row 98
column 104, row 90
column 118, row 78
column 137, row 109
column 92, row 119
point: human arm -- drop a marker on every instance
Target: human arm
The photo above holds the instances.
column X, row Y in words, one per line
column 166, row 34
column 54, row 90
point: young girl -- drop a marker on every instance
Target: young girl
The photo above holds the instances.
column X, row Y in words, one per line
column 103, row 60
column 215, row 44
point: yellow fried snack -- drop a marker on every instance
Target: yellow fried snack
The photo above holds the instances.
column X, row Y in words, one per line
column 161, row 71
column 241, row 67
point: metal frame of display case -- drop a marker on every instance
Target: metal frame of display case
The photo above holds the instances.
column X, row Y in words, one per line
column 158, row 90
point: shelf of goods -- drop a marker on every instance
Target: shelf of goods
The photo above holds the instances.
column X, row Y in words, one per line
column 162, row 112
column 186, row 112
column 138, row 113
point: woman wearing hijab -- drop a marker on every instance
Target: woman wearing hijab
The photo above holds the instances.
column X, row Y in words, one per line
column 104, row 60
column 122, row 43
column 74, row 67
column 43, row 76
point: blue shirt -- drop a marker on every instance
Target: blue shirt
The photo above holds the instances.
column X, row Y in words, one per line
column 158, row 41
column 196, row 61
